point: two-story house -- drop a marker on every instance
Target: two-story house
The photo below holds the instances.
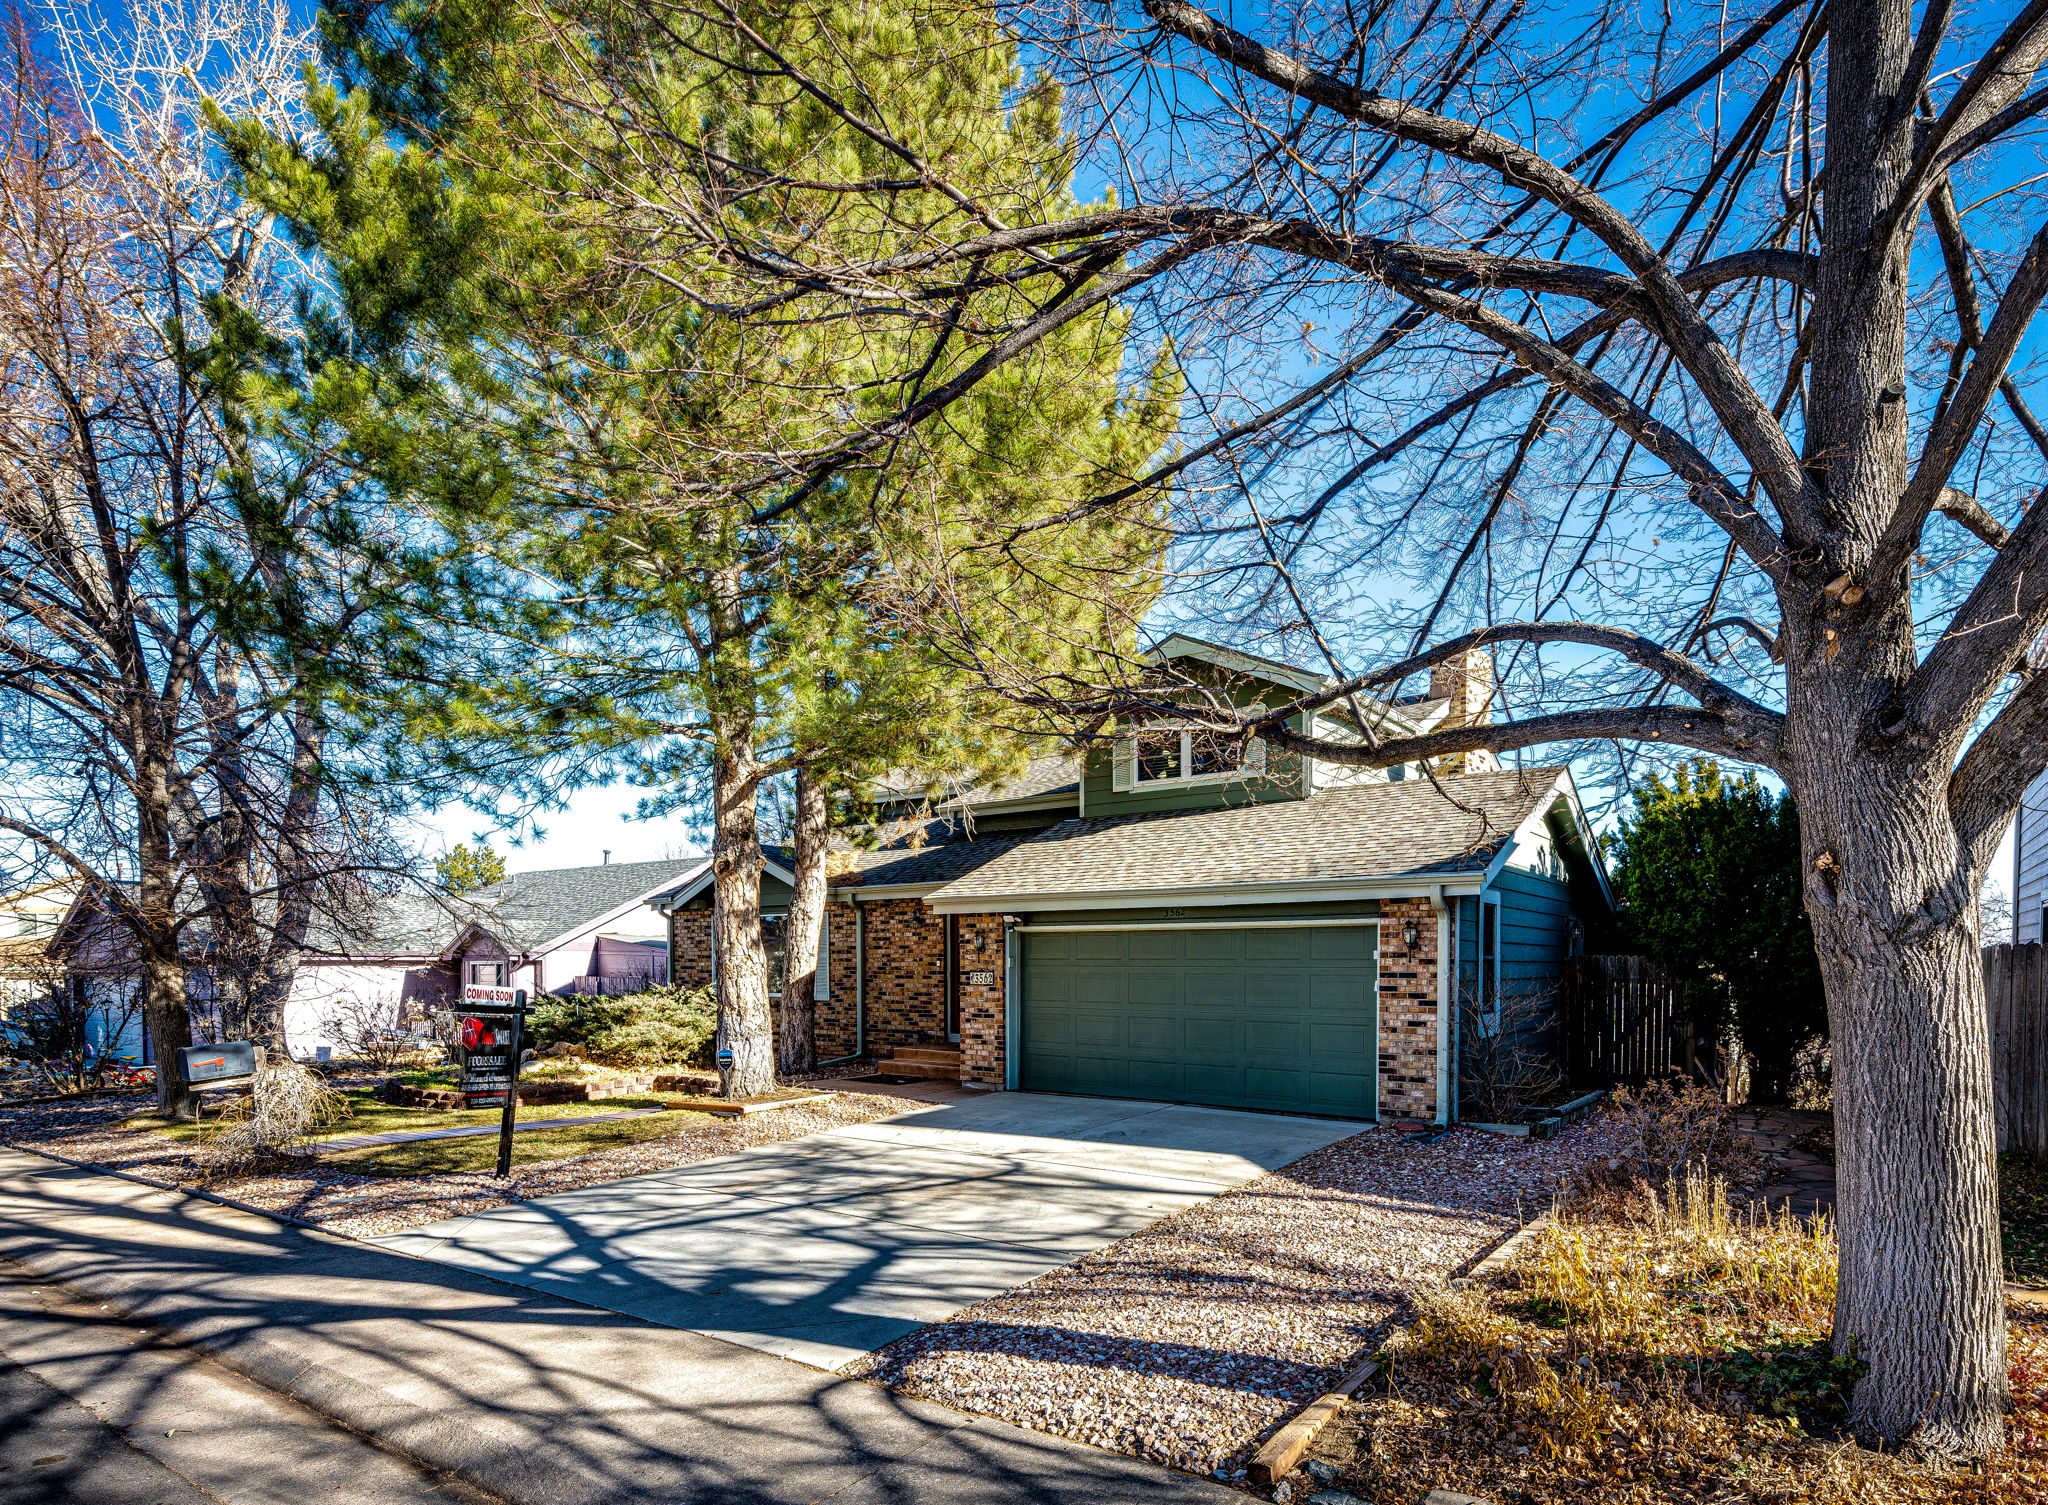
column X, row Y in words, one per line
column 1171, row 919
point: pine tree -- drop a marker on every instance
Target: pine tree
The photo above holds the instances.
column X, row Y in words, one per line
column 1708, row 878
column 468, row 868
column 528, row 362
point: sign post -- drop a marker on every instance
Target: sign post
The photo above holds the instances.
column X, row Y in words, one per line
column 725, row 1071
column 492, row 1028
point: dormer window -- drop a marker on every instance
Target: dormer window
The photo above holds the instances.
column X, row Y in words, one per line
column 1171, row 755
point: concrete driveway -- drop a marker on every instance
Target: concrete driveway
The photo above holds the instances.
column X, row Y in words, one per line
column 824, row 1248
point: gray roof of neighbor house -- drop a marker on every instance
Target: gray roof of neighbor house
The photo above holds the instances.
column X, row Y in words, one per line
column 412, row 924
column 527, row 909
column 1388, row 830
column 522, row 911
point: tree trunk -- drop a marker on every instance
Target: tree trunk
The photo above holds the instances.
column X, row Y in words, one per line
column 739, row 960
column 1921, row 1294
column 744, row 1026
column 797, row 1042
column 169, row 1022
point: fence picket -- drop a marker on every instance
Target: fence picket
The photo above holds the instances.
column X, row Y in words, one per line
column 2016, row 1008
column 1622, row 1022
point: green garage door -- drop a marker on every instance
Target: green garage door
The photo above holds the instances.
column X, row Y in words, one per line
column 1279, row 1018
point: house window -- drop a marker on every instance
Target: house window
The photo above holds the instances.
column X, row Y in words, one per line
column 487, row 974
column 1164, row 756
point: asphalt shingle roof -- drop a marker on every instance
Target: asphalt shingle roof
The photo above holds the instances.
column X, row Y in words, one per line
column 529, row 908
column 941, row 862
column 1369, row 831
column 522, row 911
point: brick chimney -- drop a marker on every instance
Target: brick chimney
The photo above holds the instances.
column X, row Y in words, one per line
column 1466, row 681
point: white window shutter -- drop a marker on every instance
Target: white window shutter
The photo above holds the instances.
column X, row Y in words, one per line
column 1255, row 755
column 1123, row 771
column 821, row 984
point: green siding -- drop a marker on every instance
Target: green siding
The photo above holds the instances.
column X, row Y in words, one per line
column 1535, row 919
column 1282, row 1019
column 1282, row 779
column 774, row 894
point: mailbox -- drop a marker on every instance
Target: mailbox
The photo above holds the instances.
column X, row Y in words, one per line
column 201, row 1064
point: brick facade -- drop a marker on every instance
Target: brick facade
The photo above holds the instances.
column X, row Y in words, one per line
column 689, row 947
column 906, row 991
column 982, row 1034
column 835, row 1011
column 906, row 981
column 1408, row 1009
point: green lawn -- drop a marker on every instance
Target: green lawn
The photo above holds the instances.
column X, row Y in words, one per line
column 479, row 1152
column 369, row 1115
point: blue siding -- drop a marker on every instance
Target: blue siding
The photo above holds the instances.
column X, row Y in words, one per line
column 1535, row 928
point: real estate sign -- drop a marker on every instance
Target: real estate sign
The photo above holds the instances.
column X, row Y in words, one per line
column 490, row 1030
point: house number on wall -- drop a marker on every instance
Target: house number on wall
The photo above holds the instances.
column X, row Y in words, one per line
column 979, row 979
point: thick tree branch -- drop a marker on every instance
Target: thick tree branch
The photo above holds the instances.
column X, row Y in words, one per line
column 2007, row 756
column 1712, row 366
column 1681, row 726
column 1710, row 491
column 1957, row 426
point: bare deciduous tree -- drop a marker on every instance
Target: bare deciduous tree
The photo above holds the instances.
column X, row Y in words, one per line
column 164, row 574
column 1699, row 395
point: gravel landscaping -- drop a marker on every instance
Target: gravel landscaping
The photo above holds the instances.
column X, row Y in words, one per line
column 1187, row 1343
column 1190, row 1342
column 92, row 1130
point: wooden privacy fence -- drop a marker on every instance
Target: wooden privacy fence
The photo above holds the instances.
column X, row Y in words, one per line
column 1621, row 1020
column 2016, row 995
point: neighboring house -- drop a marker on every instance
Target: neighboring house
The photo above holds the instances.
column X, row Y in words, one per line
column 564, row 930
column 561, row 930
column 2030, row 866
column 29, row 919
column 1167, row 920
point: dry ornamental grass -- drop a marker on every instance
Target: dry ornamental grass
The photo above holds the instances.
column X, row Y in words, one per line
column 1672, row 1353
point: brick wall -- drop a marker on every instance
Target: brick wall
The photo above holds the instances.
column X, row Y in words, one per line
column 906, row 985
column 1408, row 1010
column 689, row 943
column 835, row 1014
column 982, row 1039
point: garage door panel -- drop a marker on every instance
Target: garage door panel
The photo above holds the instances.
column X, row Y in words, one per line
column 1150, row 1034
column 1163, row 946
column 1214, row 945
column 1342, row 1041
column 1354, row 947
column 1099, row 1030
column 1279, row 1018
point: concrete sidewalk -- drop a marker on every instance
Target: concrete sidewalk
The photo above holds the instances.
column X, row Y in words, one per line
column 527, row 1395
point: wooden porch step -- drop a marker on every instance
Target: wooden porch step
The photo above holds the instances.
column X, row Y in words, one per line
column 936, row 1071
column 949, row 1055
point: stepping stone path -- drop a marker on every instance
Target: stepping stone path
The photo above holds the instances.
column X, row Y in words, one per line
column 404, row 1136
column 1793, row 1173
